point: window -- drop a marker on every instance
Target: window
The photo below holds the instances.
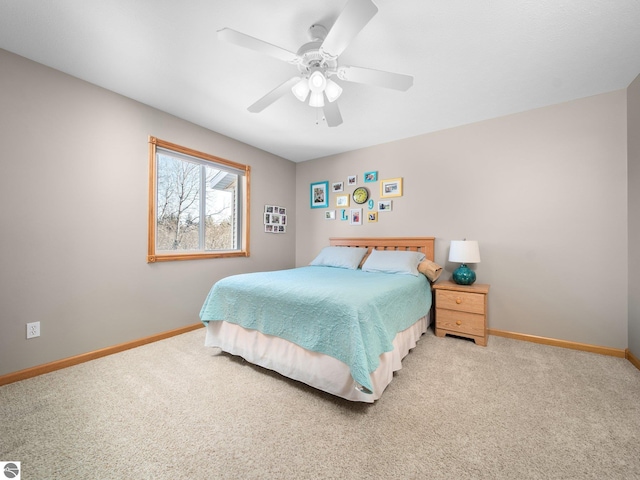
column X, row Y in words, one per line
column 198, row 204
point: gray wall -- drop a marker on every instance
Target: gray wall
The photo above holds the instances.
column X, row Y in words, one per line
column 545, row 194
column 633, row 126
column 73, row 190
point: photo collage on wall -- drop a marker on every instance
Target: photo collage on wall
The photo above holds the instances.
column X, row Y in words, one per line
column 275, row 219
column 355, row 202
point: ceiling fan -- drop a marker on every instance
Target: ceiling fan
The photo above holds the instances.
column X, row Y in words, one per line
column 317, row 62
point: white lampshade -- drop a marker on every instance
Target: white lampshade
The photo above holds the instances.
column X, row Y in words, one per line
column 333, row 90
column 464, row 251
column 301, row 89
column 316, row 99
column 317, row 82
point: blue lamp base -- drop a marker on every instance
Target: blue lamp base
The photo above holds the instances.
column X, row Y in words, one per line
column 463, row 275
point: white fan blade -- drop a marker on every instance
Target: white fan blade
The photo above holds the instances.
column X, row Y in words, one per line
column 356, row 14
column 332, row 113
column 246, row 41
column 273, row 95
column 379, row 78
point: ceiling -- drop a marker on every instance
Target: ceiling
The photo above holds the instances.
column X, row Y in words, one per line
column 471, row 60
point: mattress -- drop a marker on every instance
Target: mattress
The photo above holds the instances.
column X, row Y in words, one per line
column 315, row 369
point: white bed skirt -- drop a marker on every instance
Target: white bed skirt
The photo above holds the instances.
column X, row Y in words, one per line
column 315, row 369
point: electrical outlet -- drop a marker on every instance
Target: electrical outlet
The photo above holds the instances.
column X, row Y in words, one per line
column 33, row 330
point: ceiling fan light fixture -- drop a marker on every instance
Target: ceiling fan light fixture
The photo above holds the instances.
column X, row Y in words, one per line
column 316, row 99
column 317, row 82
column 301, row 89
column 317, row 62
column 333, row 90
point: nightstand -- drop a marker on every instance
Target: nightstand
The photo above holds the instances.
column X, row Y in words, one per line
column 462, row 310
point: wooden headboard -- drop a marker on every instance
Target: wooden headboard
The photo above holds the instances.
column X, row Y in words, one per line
column 414, row 244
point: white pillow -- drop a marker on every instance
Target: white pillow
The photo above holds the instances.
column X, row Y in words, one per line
column 340, row 257
column 394, row 261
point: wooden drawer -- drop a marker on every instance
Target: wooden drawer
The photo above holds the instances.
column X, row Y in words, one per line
column 460, row 301
column 461, row 322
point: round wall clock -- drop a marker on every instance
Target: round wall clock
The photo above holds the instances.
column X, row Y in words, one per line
column 360, row 195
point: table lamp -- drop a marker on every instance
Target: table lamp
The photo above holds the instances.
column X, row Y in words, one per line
column 464, row 251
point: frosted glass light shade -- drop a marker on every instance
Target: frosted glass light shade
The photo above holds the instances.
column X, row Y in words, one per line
column 317, row 82
column 333, row 90
column 316, row 99
column 464, row 251
column 301, row 89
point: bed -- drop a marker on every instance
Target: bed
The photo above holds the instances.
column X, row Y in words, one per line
column 341, row 330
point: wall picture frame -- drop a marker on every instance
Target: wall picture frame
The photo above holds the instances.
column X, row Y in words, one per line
column 319, row 194
column 342, row 201
column 337, row 187
column 385, row 206
column 330, row 215
column 355, row 217
column 392, row 187
column 275, row 219
column 352, row 180
column 370, row 177
column 372, row 217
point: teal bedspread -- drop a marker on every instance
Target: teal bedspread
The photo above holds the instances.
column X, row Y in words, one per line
column 350, row 315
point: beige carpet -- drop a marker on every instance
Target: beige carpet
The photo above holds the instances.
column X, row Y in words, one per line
column 177, row 410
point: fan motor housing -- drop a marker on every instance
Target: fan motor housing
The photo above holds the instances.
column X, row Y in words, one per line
column 311, row 58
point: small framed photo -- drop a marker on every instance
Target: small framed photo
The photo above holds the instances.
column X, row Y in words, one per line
column 319, row 195
column 391, row 188
column 268, row 228
column 279, row 229
column 372, row 217
column 281, row 210
column 342, row 201
column 330, row 215
column 352, row 179
column 384, row 205
column 337, row 187
column 370, row 177
column 268, row 209
column 356, row 216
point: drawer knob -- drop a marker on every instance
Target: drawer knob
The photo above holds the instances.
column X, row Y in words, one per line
column 458, row 322
column 458, row 300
